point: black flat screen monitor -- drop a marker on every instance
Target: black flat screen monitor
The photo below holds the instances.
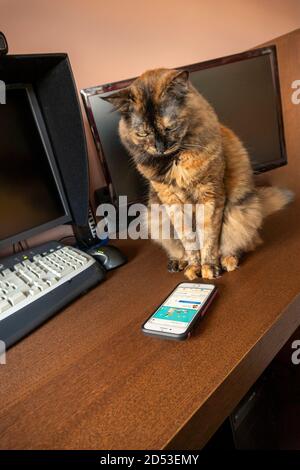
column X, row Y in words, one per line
column 244, row 90
column 32, row 198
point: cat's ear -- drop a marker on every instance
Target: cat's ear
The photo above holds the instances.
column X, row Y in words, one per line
column 179, row 82
column 180, row 78
column 120, row 99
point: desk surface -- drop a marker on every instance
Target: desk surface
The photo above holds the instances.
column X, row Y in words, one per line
column 90, row 379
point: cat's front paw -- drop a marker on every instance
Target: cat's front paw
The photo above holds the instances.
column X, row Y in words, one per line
column 192, row 271
column 210, row 271
column 229, row 263
column 174, row 265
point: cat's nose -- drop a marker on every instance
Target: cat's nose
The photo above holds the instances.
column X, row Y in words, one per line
column 160, row 147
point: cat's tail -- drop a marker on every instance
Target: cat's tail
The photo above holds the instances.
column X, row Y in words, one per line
column 273, row 199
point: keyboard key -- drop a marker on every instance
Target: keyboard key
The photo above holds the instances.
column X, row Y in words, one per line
column 34, row 290
column 6, row 272
column 18, row 266
column 16, row 298
column 4, row 305
column 51, row 282
column 40, row 285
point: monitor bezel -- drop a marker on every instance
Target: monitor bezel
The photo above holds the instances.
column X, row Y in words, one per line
column 41, row 127
column 270, row 50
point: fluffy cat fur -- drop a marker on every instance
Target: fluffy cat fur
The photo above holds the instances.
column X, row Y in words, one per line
column 188, row 156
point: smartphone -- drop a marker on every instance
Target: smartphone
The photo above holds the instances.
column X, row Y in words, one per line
column 176, row 316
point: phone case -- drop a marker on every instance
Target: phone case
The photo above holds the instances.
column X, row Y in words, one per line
column 187, row 333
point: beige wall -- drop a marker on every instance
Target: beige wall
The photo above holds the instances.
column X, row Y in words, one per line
column 109, row 40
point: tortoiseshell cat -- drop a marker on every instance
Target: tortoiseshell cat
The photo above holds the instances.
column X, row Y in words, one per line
column 188, row 156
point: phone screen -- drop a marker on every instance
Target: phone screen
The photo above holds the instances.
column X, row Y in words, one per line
column 180, row 308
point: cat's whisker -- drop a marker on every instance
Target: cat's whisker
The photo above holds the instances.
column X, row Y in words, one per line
column 192, row 146
column 172, row 149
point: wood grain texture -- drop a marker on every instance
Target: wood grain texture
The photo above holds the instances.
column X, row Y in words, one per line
column 89, row 378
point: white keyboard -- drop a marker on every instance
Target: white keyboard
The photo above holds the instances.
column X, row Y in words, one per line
column 34, row 278
column 37, row 283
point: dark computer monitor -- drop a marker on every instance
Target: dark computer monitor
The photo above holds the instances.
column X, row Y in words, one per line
column 244, row 90
column 32, row 198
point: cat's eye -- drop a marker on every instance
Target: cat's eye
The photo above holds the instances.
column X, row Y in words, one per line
column 142, row 134
column 171, row 128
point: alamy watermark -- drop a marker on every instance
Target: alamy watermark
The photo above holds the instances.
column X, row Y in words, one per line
column 183, row 222
column 296, row 354
column 2, row 92
column 296, row 94
column 2, row 352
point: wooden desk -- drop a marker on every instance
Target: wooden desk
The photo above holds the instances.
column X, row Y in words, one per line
column 90, row 379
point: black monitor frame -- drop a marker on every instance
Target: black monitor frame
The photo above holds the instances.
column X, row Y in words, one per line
column 87, row 93
column 66, row 218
